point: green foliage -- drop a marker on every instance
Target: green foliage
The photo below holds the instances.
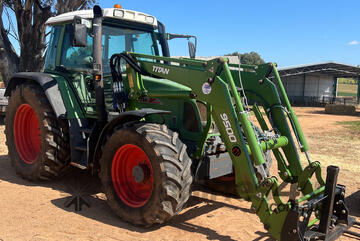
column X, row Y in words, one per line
column 251, row 58
column 347, row 81
column 236, row 53
column 1, row 78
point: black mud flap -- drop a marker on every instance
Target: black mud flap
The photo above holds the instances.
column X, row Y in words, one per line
column 115, row 120
column 47, row 82
column 334, row 219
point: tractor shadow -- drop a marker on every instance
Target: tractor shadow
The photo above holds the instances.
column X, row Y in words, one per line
column 81, row 194
column 97, row 209
column 322, row 112
column 69, row 183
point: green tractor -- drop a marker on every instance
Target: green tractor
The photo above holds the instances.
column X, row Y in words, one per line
column 111, row 100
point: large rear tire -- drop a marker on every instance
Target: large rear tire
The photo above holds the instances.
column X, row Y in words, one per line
column 145, row 173
column 37, row 141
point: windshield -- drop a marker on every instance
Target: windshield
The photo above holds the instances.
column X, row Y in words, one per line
column 117, row 40
column 114, row 40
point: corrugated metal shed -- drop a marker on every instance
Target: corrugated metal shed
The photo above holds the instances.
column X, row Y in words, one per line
column 315, row 82
column 329, row 68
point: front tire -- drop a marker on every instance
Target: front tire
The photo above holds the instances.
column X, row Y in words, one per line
column 145, row 173
column 36, row 139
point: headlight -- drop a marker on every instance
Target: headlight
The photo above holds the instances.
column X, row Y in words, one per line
column 149, row 19
column 130, row 15
column 118, row 13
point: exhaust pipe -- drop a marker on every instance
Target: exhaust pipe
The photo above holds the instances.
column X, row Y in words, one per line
column 98, row 65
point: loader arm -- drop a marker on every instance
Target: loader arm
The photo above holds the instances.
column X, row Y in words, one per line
column 216, row 84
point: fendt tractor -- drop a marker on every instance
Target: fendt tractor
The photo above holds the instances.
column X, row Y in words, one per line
column 111, row 100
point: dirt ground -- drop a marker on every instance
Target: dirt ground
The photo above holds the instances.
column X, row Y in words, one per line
column 37, row 211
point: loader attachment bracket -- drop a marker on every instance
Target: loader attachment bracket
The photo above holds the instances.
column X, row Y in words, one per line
column 334, row 215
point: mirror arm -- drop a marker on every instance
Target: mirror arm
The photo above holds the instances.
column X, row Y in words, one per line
column 171, row 36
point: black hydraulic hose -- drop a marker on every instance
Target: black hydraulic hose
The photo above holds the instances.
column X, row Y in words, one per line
column 129, row 59
column 120, row 98
column 115, row 61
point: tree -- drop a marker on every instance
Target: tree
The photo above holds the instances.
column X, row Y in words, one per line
column 30, row 16
column 252, row 58
column 9, row 60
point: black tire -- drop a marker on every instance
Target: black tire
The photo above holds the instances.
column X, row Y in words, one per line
column 171, row 166
column 53, row 158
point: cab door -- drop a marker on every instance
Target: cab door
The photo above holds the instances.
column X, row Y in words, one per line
column 76, row 65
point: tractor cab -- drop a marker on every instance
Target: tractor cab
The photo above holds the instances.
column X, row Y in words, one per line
column 122, row 30
column 71, row 54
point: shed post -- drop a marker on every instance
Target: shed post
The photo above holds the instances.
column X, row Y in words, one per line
column 304, row 83
column 358, row 90
column 335, row 86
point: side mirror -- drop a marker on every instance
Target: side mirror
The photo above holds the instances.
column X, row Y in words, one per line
column 79, row 34
column 192, row 46
column 192, row 50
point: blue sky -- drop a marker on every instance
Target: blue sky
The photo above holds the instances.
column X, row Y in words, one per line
column 287, row 32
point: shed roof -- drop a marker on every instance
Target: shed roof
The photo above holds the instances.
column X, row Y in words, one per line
column 329, row 68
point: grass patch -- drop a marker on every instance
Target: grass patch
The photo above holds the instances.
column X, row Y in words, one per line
column 353, row 125
column 346, row 94
column 347, row 90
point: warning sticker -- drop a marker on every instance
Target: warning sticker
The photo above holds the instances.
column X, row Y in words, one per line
column 206, row 88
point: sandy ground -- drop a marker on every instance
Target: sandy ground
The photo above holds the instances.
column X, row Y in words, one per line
column 37, row 211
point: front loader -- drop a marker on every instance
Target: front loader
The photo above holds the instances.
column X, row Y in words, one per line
column 111, row 100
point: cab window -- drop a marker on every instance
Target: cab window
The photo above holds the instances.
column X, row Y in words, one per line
column 50, row 60
column 76, row 57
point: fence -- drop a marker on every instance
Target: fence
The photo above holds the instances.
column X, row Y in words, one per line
column 322, row 101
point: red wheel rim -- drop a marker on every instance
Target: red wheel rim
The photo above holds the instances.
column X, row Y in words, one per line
column 132, row 175
column 27, row 133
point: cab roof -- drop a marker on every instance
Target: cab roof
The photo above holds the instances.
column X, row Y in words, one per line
column 112, row 13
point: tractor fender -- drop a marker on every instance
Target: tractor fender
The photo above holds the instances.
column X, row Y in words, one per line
column 122, row 118
column 46, row 81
